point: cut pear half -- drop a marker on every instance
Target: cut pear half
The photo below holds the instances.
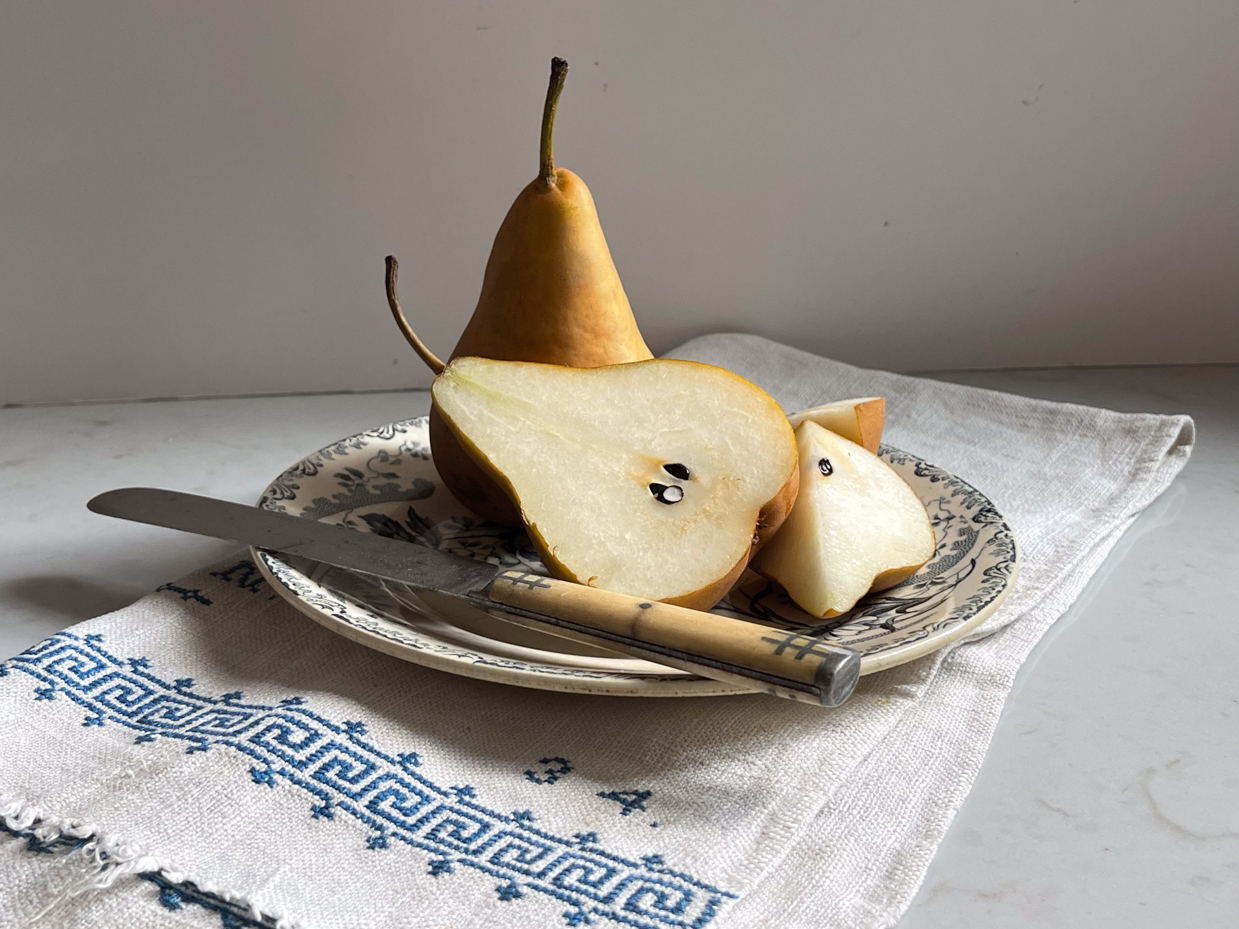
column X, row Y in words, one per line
column 859, row 420
column 650, row 479
column 856, row 526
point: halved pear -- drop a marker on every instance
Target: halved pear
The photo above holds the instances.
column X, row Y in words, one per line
column 859, row 420
column 856, row 526
column 651, row 478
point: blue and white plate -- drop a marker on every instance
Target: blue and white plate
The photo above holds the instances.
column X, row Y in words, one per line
column 384, row 481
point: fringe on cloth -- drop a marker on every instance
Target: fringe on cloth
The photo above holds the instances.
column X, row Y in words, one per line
column 95, row 861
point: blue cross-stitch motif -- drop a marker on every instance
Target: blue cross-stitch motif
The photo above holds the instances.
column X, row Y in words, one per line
column 243, row 574
column 378, row 841
column 628, row 800
column 185, row 593
column 558, row 767
column 287, row 745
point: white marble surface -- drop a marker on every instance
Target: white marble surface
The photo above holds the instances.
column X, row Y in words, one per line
column 1110, row 795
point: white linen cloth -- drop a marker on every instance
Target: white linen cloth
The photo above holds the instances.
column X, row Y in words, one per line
column 212, row 752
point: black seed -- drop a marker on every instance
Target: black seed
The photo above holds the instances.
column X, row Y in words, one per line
column 825, row 467
column 676, row 470
column 665, row 494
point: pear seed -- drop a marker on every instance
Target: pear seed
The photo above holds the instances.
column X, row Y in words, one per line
column 676, row 470
column 826, row 467
column 665, row 494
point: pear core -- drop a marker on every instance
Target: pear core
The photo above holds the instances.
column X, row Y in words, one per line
column 579, row 450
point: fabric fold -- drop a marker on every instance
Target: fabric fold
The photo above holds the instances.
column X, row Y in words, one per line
column 237, row 741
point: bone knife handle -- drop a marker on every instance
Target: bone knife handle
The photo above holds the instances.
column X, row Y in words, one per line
column 782, row 662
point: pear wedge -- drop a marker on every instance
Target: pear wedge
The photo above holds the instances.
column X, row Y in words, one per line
column 651, row 478
column 860, row 420
column 856, row 526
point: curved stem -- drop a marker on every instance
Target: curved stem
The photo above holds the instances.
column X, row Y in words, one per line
column 546, row 162
column 431, row 359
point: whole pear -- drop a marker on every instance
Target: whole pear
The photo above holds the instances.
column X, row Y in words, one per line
column 550, row 294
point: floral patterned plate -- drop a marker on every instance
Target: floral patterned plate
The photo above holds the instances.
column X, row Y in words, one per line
column 384, row 481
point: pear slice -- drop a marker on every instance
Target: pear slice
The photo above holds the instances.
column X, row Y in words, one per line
column 860, row 420
column 856, row 526
column 651, row 478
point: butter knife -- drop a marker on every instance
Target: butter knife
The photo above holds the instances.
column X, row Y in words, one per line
column 784, row 663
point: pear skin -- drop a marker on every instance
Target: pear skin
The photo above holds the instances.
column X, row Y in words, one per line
column 527, row 424
column 856, row 527
column 860, row 420
column 550, row 294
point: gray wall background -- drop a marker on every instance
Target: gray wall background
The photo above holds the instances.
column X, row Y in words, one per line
column 196, row 197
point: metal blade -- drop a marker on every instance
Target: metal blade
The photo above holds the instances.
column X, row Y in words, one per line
column 363, row 552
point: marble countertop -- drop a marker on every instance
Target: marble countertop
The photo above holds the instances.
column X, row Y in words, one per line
column 1110, row 794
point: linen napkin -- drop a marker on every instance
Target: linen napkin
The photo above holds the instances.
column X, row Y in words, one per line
column 210, row 756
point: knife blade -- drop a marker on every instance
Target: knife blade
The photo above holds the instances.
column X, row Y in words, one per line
column 785, row 663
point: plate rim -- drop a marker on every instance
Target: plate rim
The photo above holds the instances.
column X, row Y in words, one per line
column 616, row 683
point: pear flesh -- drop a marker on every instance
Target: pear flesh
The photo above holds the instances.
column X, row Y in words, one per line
column 856, row 526
column 649, row 478
column 859, row 420
column 550, row 294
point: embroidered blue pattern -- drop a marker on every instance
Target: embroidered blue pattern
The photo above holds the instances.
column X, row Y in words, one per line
column 629, row 800
column 185, row 593
column 558, row 768
column 231, row 915
column 243, row 574
column 288, row 743
column 172, row 896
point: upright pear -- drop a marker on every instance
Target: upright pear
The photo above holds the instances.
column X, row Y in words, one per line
column 550, row 294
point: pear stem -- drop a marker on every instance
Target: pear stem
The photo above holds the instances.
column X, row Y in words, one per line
column 431, row 359
column 546, row 161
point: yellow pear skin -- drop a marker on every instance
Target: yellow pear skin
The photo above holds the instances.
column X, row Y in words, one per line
column 550, row 294
column 860, row 420
column 481, row 398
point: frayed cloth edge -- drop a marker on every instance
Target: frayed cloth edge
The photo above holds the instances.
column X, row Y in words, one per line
column 111, row 857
